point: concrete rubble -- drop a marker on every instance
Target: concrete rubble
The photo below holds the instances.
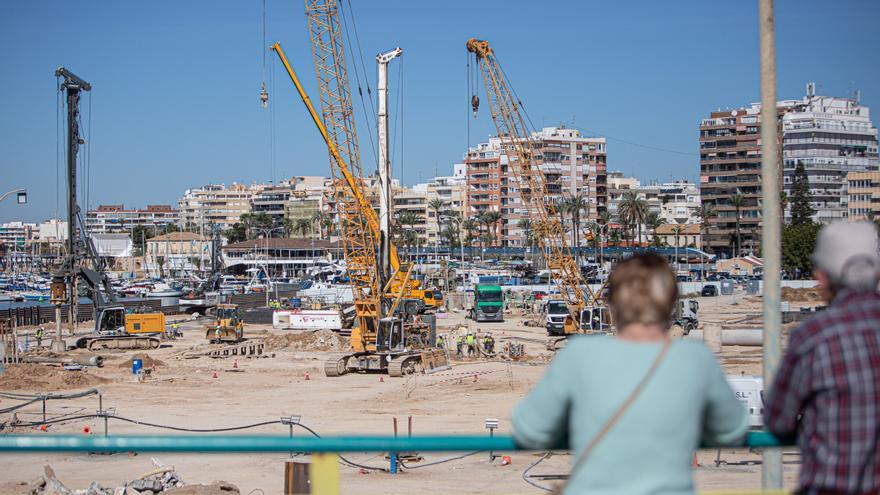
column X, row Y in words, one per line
column 161, row 480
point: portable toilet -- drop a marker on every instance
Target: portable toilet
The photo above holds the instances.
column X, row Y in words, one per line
column 750, row 391
column 727, row 287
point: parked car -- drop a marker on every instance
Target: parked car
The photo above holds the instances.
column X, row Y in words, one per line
column 709, row 290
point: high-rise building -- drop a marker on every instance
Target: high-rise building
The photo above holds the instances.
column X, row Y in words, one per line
column 572, row 164
column 830, row 136
column 115, row 219
column 863, row 191
column 215, row 204
column 676, row 202
column 450, row 191
column 18, row 235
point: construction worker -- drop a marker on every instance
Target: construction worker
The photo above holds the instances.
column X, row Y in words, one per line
column 489, row 344
column 39, row 337
column 440, row 343
column 471, row 344
column 175, row 329
column 459, row 344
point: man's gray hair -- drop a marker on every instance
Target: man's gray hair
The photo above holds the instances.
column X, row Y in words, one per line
column 849, row 253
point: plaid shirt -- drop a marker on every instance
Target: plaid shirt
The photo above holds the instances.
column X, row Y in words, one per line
column 830, row 375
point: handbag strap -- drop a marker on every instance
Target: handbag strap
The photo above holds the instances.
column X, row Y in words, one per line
column 620, row 410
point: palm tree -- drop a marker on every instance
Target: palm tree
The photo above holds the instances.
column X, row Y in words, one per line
column 303, row 225
column 633, row 210
column 653, row 221
column 737, row 201
column 574, row 205
column 437, row 205
column 469, row 225
column 705, row 213
column 525, row 225
column 489, row 219
column 408, row 219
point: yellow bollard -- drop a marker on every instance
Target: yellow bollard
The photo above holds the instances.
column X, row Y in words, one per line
column 324, row 474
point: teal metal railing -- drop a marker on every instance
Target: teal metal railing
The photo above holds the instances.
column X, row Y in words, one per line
column 255, row 443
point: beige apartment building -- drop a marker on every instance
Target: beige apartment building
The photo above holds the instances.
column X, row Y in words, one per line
column 864, row 195
column 176, row 253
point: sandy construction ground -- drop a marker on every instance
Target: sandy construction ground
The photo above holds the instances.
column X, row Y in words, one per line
column 182, row 392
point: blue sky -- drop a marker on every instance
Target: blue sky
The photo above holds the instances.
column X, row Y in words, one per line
column 175, row 99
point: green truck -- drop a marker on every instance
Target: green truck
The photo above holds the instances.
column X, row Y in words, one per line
column 488, row 303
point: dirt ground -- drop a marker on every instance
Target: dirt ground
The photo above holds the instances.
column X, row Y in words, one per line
column 183, row 392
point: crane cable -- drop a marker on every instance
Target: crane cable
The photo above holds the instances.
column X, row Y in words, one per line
column 371, row 124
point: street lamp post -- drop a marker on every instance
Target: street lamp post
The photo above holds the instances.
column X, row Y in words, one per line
column 20, row 195
column 266, row 233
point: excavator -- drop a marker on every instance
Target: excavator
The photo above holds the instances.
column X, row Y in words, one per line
column 387, row 337
column 582, row 303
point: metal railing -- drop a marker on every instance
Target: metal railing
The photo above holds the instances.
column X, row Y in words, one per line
column 259, row 443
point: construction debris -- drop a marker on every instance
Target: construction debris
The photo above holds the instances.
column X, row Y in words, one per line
column 162, row 480
column 319, row 340
column 801, row 295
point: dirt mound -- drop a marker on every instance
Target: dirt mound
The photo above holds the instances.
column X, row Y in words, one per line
column 801, row 295
column 318, row 340
column 42, row 378
column 147, row 361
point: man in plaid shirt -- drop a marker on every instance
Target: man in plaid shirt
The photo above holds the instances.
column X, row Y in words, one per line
column 827, row 390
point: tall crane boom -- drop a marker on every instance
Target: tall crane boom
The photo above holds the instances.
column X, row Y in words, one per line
column 546, row 220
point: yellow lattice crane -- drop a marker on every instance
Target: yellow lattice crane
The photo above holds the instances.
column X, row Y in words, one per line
column 382, row 341
column 544, row 214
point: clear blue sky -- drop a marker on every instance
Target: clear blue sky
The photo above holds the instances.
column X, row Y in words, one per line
column 175, row 99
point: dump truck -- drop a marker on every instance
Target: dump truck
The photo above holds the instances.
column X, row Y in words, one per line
column 488, row 303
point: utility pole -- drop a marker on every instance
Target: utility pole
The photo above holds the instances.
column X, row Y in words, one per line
column 385, row 207
column 64, row 281
column 771, row 477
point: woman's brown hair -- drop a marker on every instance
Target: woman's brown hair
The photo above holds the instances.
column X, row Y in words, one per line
column 642, row 289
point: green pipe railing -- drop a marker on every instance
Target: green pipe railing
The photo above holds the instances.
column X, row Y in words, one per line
column 251, row 443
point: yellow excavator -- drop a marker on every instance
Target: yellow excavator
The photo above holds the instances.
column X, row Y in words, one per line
column 227, row 325
column 387, row 338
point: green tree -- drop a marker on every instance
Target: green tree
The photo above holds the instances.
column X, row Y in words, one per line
column 574, row 205
column 469, row 225
column 633, row 211
column 526, row 226
column 798, row 244
column 236, row 233
column 801, row 211
column 705, row 213
column 653, row 221
column 140, row 234
column 490, row 219
column 437, row 206
column 737, row 201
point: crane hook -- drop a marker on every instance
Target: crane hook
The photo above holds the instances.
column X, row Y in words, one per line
column 264, row 96
column 475, row 104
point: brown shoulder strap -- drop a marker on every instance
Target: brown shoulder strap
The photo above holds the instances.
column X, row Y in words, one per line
column 620, row 410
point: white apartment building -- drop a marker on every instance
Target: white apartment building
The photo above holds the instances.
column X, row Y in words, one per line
column 17, row 235
column 451, row 191
column 215, row 204
column 676, row 201
column 114, row 219
column 831, row 137
column 53, row 231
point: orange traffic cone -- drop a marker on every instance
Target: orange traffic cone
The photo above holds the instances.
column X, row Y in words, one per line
column 86, row 430
column 381, row 379
column 214, row 375
column 235, row 364
column 307, row 376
